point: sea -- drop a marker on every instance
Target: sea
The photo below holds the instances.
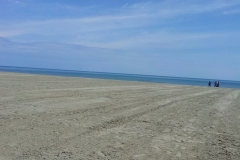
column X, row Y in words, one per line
column 121, row 76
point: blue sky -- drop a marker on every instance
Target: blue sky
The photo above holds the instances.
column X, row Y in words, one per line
column 187, row 38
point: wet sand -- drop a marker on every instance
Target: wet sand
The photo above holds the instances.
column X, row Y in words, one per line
column 47, row 117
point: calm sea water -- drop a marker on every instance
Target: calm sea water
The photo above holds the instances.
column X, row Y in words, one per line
column 127, row 77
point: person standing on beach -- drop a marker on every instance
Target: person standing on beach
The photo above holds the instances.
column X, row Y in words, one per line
column 209, row 84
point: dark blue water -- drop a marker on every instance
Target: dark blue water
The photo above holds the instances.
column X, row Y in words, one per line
column 127, row 77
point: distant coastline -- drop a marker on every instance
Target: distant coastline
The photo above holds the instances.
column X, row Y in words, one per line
column 121, row 76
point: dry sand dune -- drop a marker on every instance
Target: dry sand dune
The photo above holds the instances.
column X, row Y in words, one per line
column 46, row 117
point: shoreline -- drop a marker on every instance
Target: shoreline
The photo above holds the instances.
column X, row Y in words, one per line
column 52, row 117
column 125, row 77
column 100, row 79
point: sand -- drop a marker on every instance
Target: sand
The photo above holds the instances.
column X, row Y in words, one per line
column 47, row 117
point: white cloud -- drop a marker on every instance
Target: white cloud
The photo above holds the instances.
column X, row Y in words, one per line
column 171, row 8
column 9, row 33
column 237, row 11
column 123, row 25
column 167, row 40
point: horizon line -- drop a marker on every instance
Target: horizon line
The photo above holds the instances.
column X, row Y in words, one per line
column 130, row 74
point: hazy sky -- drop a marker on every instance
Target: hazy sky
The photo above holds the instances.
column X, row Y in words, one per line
column 183, row 38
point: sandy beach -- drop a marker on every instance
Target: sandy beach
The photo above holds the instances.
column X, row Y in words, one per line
column 47, row 117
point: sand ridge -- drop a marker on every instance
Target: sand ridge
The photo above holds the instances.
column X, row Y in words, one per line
column 47, row 117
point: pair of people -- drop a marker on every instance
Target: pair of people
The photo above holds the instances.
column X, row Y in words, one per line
column 216, row 84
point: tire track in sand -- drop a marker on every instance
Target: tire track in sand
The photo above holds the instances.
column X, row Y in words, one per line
column 224, row 145
column 122, row 119
column 226, row 101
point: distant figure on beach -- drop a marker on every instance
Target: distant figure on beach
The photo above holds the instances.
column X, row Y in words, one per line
column 216, row 84
column 209, row 84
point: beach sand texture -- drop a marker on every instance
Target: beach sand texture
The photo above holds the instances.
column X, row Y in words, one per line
column 47, row 117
